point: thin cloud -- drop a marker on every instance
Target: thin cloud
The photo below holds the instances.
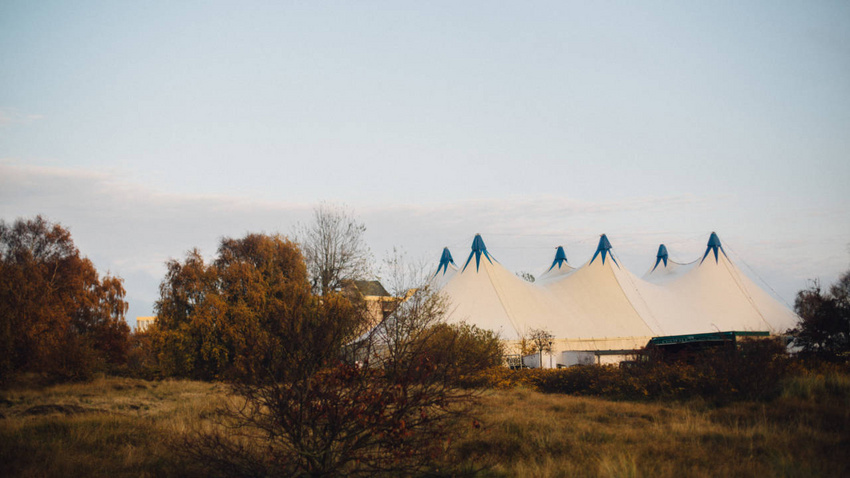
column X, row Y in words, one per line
column 11, row 116
column 131, row 230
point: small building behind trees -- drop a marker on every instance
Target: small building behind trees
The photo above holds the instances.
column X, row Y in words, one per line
column 379, row 303
column 143, row 324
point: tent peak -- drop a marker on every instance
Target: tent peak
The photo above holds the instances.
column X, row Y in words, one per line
column 713, row 245
column 478, row 243
column 560, row 258
column 661, row 256
column 604, row 248
column 478, row 248
column 445, row 260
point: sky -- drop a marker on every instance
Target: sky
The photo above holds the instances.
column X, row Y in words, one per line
column 150, row 128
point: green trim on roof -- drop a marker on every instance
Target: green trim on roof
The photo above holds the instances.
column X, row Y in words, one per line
column 708, row 337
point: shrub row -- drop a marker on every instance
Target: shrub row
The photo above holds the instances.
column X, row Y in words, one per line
column 752, row 371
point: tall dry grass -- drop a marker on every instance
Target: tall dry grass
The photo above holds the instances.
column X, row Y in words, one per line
column 107, row 427
column 527, row 433
column 124, row 427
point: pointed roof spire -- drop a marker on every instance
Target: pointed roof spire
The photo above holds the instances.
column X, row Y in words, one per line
column 478, row 248
column 604, row 247
column 713, row 245
column 661, row 256
column 560, row 258
column 445, row 260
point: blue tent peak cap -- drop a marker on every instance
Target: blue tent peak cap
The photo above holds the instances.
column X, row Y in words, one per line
column 604, row 248
column 478, row 248
column 560, row 258
column 713, row 245
column 445, row 260
column 661, row 256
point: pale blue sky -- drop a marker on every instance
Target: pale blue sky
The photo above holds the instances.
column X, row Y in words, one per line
column 152, row 127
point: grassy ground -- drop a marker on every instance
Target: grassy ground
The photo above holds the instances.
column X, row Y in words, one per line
column 109, row 427
column 530, row 434
column 124, row 427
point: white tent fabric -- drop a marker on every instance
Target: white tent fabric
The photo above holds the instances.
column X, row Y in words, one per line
column 666, row 269
column 559, row 268
column 603, row 306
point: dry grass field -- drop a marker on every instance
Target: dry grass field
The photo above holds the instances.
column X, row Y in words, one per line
column 108, row 427
column 125, row 427
column 532, row 434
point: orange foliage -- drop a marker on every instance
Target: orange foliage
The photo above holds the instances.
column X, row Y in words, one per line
column 249, row 309
column 56, row 315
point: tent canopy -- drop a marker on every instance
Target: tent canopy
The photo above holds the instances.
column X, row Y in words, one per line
column 603, row 302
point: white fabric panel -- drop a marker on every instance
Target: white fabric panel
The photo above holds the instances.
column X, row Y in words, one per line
column 483, row 296
column 709, row 298
column 778, row 316
column 554, row 274
column 592, row 304
column 440, row 278
column 673, row 270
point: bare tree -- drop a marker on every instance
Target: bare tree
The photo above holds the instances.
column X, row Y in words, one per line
column 526, row 276
column 541, row 340
column 402, row 337
column 334, row 248
column 401, row 275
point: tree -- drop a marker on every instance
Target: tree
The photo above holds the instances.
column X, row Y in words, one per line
column 824, row 327
column 238, row 316
column 334, row 248
column 302, row 403
column 526, row 276
column 401, row 275
column 57, row 316
column 537, row 340
column 389, row 413
column 463, row 350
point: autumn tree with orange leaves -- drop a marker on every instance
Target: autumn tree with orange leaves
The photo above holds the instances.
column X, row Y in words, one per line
column 248, row 313
column 378, row 406
column 58, row 317
column 313, row 393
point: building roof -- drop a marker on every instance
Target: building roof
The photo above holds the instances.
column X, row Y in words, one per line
column 370, row 288
column 704, row 338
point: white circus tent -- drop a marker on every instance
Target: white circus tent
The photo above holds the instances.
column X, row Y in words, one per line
column 601, row 306
column 711, row 295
